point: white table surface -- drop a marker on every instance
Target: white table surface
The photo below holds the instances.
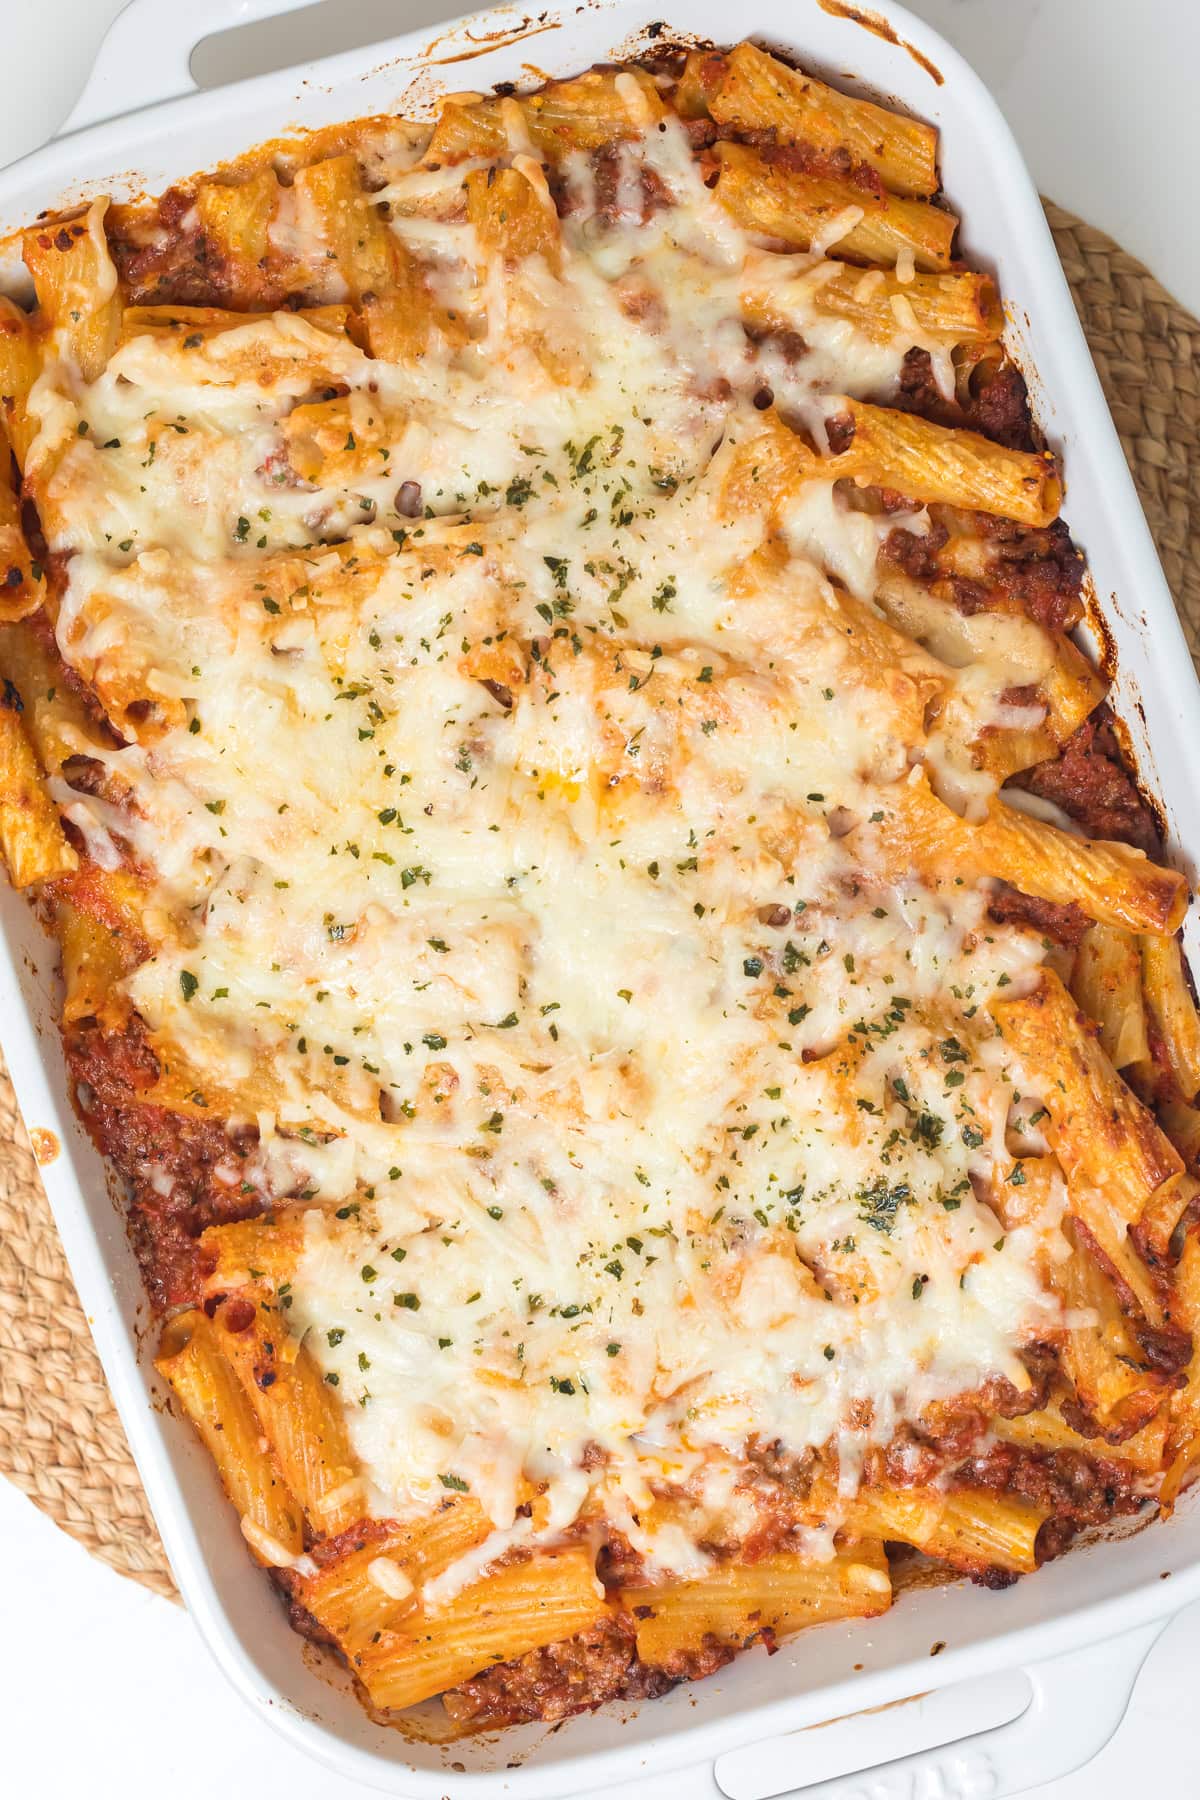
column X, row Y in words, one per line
column 107, row 1690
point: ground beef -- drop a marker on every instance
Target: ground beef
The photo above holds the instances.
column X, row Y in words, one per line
column 178, row 267
column 109, row 1070
column 701, row 133
column 299, row 1617
column 1065, row 924
column 1091, row 783
column 914, row 552
column 996, row 402
column 1084, row 1490
column 1041, row 571
column 998, row 406
column 618, row 1563
column 810, row 159
column 561, row 1679
column 653, row 192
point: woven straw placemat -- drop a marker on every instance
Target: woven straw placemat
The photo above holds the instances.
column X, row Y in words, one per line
column 60, row 1439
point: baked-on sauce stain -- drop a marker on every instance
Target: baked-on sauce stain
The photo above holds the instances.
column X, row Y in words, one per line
column 870, row 21
column 45, row 1145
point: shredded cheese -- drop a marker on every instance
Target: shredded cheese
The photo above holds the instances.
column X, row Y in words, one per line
column 506, row 871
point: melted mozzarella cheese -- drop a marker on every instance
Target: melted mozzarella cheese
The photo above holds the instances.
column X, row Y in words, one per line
column 506, row 871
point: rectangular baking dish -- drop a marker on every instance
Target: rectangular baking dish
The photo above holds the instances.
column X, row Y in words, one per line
column 1103, row 1589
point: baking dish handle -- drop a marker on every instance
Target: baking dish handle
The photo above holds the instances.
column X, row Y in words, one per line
column 146, row 53
column 1074, row 1705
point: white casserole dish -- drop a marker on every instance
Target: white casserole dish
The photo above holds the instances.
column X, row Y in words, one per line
column 1098, row 1591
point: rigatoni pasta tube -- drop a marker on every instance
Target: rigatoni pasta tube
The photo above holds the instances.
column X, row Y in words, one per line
column 1110, row 881
column 76, row 286
column 960, row 468
column 253, row 1250
column 1106, row 981
column 951, row 309
column 757, row 92
column 512, row 1609
column 365, row 1591
column 31, row 835
column 802, row 210
column 600, row 107
column 296, row 1411
column 1101, row 1359
column 1173, row 1010
column 22, row 588
column 236, row 217
column 736, row 1602
column 20, row 364
column 1046, row 1431
column 876, row 445
column 1101, row 1133
column 190, row 1360
column 970, row 1528
column 398, row 312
